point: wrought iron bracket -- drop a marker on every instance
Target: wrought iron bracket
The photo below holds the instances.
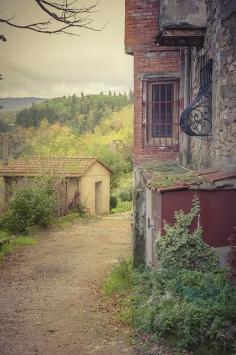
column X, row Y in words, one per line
column 195, row 120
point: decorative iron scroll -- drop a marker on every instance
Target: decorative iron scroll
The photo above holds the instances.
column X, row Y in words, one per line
column 195, row 120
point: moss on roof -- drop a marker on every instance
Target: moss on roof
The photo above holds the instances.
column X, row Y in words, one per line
column 171, row 175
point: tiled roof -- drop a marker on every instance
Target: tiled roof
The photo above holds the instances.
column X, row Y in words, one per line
column 171, row 176
column 218, row 175
column 38, row 166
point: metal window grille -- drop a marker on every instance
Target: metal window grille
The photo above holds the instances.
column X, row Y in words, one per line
column 161, row 126
column 205, row 73
column 162, row 110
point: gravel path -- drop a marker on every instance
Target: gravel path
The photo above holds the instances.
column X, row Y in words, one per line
column 50, row 302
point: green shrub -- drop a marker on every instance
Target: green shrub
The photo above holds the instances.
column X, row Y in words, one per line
column 12, row 222
column 181, row 248
column 126, row 193
column 187, row 299
column 193, row 309
column 113, row 202
column 124, row 188
column 30, row 206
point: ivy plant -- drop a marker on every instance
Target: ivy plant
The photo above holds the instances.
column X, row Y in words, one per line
column 181, row 247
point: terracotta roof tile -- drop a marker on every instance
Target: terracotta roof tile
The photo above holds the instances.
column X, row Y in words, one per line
column 37, row 166
column 218, row 175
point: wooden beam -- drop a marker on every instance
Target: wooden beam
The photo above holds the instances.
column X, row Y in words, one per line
column 181, row 37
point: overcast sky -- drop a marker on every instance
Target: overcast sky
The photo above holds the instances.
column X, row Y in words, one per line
column 41, row 65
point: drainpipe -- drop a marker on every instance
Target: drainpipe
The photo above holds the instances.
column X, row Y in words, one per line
column 187, row 69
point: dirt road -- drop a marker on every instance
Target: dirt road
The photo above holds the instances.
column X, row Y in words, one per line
column 50, row 300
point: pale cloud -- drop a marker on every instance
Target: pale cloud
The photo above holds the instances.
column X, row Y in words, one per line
column 48, row 66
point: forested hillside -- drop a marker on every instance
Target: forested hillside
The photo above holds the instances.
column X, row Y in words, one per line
column 82, row 113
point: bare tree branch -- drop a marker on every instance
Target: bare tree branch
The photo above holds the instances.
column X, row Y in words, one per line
column 63, row 17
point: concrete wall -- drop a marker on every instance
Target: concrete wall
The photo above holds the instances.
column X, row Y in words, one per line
column 219, row 150
column 183, row 13
column 97, row 173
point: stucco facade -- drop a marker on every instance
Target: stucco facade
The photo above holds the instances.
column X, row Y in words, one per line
column 94, row 189
column 75, row 181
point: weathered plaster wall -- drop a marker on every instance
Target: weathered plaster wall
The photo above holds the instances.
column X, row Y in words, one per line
column 139, row 223
column 96, row 173
column 220, row 149
column 65, row 190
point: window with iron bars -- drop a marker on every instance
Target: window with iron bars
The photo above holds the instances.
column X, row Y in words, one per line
column 161, row 113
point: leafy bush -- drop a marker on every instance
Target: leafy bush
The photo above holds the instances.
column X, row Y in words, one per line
column 113, row 202
column 12, row 223
column 125, row 188
column 30, row 206
column 181, row 248
column 193, row 309
column 126, row 194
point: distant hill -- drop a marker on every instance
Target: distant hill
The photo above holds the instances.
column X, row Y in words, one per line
column 81, row 113
column 19, row 103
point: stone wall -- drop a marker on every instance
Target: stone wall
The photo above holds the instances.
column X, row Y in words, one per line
column 219, row 150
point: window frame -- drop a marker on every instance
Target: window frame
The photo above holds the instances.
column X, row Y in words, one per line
column 162, row 142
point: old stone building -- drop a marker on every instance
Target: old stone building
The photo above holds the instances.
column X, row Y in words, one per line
column 184, row 125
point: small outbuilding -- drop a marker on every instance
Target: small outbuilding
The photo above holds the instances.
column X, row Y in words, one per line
column 76, row 181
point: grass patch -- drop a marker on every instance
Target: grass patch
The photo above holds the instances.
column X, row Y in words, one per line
column 14, row 243
column 120, row 279
column 118, row 286
column 5, row 250
column 24, row 241
column 66, row 221
column 122, row 206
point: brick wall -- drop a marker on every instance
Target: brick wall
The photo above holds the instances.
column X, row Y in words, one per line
column 149, row 59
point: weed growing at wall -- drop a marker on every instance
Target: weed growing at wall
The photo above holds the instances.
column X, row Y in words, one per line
column 120, row 280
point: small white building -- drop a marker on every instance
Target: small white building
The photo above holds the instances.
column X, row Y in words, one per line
column 75, row 180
